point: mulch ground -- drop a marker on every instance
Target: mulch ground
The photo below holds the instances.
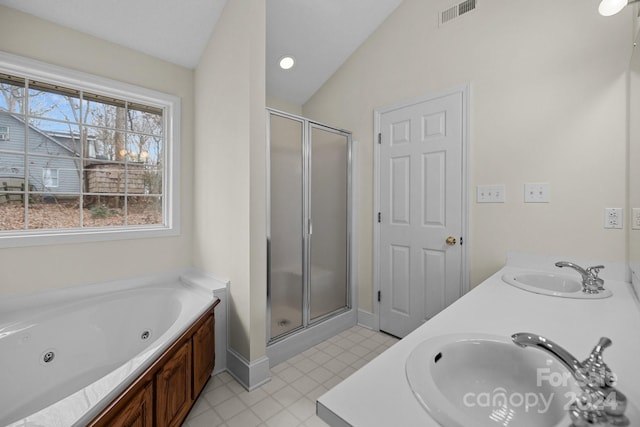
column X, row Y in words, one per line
column 67, row 215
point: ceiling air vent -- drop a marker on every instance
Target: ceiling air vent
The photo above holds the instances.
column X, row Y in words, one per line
column 459, row 9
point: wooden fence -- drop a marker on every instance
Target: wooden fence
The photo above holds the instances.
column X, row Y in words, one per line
column 12, row 190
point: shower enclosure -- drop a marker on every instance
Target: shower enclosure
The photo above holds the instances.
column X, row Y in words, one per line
column 308, row 231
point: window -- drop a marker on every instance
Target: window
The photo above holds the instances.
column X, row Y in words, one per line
column 50, row 177
column 89, row 158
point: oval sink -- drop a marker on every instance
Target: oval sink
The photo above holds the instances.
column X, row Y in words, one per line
column 551, row 284
column 486, row 380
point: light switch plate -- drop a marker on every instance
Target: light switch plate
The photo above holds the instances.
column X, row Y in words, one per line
column 635, row 218
column 613, row 218
column 494, row 193
column 537, row 192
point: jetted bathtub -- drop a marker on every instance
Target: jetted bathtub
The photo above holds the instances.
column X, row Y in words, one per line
column 66, row 354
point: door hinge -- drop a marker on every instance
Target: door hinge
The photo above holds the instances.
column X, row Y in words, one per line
column 379, row 216
column 380, row 138
column 379, row 296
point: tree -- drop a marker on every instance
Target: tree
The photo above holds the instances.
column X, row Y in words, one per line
column 13, row 97
column 119, row 143
column 97, row 128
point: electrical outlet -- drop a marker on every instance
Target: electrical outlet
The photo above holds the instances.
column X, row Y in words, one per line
column 537, row 193
column 635, row 219
column 613, row 218
column 490, row 193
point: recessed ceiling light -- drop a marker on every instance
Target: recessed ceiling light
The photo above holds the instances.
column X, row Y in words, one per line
column 611, row 7
column 287, row 62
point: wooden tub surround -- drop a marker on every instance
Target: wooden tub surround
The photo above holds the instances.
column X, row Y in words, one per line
column 163, row 395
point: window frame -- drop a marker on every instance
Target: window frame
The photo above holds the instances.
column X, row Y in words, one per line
column 171, row 105
column 7, row 133
column 51, row 177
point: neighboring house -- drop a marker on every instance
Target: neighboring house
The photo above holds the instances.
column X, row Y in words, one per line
column 54, row 167
column 72, row 142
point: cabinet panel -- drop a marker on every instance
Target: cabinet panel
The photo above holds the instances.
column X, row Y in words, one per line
column 203, row 355
column 163, row 395
column 173, row 388
column 134, row 412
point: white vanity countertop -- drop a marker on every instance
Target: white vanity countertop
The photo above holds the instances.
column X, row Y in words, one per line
column 379, row 393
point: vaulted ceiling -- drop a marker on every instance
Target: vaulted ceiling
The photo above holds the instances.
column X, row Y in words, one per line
column 319, row 34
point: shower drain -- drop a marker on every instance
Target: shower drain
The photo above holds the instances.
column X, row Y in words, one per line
column 283, row 322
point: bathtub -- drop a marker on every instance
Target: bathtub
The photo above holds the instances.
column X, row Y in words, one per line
column 65, row 355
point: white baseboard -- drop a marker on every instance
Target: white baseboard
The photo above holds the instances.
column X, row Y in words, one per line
column 249, row 374
column 367, row 319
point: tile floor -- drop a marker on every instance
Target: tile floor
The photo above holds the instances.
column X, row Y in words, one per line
column 289, row 399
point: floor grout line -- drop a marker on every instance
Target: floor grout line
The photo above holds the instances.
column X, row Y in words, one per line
column 288, row 400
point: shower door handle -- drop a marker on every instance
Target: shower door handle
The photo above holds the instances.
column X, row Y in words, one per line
column 310, row 226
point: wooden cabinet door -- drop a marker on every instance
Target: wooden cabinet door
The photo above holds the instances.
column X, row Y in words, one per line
column 203, row 355
column 173, row 388
column 134, row 412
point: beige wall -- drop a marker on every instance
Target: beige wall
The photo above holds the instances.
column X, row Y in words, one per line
column 634, row 157
column 230, row 168
column 548, row 104
column 38, row 268
column 282, row 105
column 636, row 21
column 548, row 101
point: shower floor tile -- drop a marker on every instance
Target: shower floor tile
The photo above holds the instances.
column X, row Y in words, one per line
column 289, row 398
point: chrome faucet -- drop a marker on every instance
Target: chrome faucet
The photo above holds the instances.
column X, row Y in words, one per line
column 598, row 403
column 591, row 283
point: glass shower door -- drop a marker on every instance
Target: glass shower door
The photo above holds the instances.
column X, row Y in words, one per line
column 286, row 241
column 330, row 210
column 308, row 225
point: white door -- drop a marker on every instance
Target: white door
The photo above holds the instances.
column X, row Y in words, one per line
column 420, row 234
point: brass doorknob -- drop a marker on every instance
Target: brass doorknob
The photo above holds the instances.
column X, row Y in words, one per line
column 451, row 240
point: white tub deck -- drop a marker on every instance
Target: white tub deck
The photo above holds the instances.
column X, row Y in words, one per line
column 101, row 337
